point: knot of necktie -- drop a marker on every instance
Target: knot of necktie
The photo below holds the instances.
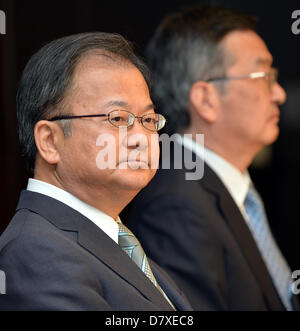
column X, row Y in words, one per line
column 130, row 244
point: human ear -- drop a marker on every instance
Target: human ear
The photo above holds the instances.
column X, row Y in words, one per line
column 203, row 100
column 48, row 137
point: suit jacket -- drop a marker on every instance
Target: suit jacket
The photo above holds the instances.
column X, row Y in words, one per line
column 54, row 258
column 195, row 231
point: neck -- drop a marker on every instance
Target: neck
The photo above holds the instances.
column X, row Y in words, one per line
column 107, row 201
column 237, row 158
column 236, row 153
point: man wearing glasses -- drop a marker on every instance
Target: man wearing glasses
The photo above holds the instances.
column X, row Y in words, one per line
column 66, row 248
column 213, row 75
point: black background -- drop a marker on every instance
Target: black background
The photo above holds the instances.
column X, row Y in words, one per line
column 30, row 24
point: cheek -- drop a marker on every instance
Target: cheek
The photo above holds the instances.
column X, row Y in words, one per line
column 252, row 106
column 80, row 154
column 256, row 99
column 154, row 151
column 106, row 155
column 248, row 97
column 261, row 110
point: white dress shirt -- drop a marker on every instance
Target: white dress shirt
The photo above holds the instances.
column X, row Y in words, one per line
column 236, row 182
column 106, row 223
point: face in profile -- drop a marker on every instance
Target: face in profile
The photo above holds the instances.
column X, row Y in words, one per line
column 250, row 106
column 102, row 86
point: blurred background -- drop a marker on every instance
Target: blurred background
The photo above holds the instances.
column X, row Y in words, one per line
column 30, row 24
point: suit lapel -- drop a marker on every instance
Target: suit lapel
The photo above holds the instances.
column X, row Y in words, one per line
column 93, row 239
column 243, row 237
column 99, row 244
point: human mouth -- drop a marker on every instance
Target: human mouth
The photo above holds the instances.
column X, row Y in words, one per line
column 276, row 117
column 133, row 164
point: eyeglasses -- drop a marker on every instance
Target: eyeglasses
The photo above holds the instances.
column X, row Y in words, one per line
column 270, row 76
column 124, row 118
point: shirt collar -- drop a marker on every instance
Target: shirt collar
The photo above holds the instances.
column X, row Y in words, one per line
column 106, row 223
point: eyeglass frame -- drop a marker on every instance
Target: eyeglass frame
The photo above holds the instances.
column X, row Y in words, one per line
column 252, row 75
column 66, row 117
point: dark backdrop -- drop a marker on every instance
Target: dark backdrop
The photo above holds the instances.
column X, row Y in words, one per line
column 30, row 24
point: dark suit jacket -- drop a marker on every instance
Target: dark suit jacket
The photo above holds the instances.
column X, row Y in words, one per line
column 195, row 231
column 56, row 259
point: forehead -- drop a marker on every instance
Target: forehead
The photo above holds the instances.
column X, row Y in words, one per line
column 247, row 49
column 98, row 79
column 98, row 60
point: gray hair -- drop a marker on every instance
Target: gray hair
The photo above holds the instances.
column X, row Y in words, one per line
column 186, row 48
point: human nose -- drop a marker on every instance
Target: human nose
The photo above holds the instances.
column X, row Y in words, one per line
column 137, row 137
column 278, row 94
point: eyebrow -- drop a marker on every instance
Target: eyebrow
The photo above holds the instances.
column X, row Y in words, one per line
column 123, row 104
column 264, row 61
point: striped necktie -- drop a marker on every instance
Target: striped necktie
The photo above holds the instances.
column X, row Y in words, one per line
column 130, row 244
column 275, row 262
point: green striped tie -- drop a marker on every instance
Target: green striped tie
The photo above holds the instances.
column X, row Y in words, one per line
column 130, row 244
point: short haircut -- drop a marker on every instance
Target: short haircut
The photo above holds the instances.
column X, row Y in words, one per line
column 48, row 76
column 185, row 48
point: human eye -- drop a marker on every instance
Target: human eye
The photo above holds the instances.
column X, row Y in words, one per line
column 151, row 121
column 116, row 118
column 150, row 118
column 119, row 117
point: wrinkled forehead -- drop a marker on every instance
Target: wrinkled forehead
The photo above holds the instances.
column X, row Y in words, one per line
column 246, row 48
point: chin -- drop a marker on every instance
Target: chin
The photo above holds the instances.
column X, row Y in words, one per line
column 272, row 137
column 135, row 180
column 269, row 135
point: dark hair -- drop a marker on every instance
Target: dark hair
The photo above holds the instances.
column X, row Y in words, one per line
column 186, row 48
column 48, row 75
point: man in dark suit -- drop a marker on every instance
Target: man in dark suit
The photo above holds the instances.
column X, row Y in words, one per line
column 85, row 123
column 213, row 75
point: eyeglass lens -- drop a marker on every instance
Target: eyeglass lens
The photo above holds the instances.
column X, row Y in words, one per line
column 122, row 118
